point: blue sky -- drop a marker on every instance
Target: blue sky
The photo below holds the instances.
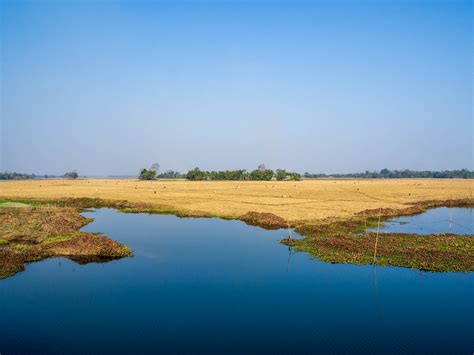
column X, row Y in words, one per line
column 108, row 87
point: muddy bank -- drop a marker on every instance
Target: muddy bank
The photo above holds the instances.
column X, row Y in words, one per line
column 264, row 220
column 260, row 219
column 38, row 232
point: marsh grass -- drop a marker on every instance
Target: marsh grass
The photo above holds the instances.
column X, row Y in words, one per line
column 56, row 239
column 344, row 242
column 48, row 230
column 9, row 204
column 333, row 239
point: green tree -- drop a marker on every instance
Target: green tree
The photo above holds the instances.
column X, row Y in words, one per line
column 261, row 174
column 71, row 175
column 197, row 174
column 170, row 174
column 295, row 176
column 147, row 174
column 281, row 174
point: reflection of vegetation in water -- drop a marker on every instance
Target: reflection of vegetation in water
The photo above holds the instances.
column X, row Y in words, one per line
column 43, row 231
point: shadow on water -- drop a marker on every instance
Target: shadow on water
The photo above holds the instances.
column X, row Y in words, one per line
column 214, row 286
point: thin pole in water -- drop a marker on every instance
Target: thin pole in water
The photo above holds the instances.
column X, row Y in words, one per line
column 451, row 217
column 377, row 236
column 365, row 223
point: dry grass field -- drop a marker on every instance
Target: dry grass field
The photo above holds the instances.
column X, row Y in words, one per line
column 294, row 201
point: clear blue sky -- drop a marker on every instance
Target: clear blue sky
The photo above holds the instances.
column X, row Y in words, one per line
column 108, row 87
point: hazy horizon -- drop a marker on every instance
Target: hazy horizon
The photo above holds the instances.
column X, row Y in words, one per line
column 110, row 87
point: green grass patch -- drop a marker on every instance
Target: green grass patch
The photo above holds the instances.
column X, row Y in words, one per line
column 56, row 239
column 3, row 241
column 13, row 205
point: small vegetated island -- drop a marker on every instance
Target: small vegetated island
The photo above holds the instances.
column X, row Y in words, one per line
column 41, row 218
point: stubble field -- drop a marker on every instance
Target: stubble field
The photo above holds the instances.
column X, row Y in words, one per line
column 294, row 201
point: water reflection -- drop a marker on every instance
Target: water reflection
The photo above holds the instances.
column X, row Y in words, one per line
column 438, row 220
column 213, row 286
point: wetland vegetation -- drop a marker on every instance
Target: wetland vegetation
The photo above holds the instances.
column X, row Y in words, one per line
column 32, row 232
column 226, row 287
column 34, row 229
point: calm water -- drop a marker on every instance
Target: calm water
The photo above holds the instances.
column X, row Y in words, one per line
column 214, row 286
column 434, row 221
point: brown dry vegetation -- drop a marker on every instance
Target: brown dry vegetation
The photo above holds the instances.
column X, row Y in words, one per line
column 291, row 200
column 35, row 233
column 346, row 241
column 327, row 212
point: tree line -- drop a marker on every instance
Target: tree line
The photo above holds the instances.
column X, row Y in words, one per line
column 261, row 174
column 400, row 174
column 151, row 174
column 197, row 174
column 7, row 175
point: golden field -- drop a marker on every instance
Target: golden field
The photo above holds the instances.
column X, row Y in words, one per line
column 300, row 200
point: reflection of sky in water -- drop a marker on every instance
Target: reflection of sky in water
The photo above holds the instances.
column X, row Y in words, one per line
column 213, row 286
column 433, row 221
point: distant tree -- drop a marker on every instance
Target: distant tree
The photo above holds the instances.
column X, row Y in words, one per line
column 281, row 174
column 147, row 174
column 170, row 174
column 384, row 173
column 402, row 174
column 196, row 174
column 262, row 167
column 15, row 176
column 228, row 175
column 295, row 176
column 71, row 175
column 258, row 174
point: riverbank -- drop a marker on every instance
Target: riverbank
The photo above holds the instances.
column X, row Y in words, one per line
column 351, row 242
column 33, row 232
column 50, row 228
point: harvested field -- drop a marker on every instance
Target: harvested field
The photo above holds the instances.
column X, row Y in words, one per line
column 326, row 212
column 293, row 201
